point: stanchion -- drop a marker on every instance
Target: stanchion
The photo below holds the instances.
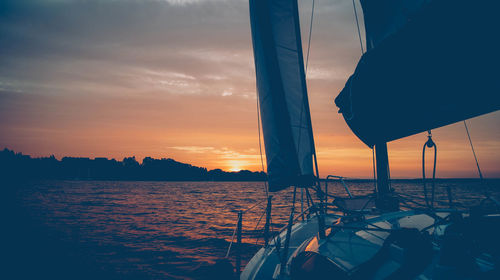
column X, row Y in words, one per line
column 238, row 243
column 268, row 220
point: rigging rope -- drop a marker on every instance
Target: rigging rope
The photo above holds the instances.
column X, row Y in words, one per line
column 310, row 122
column 357, row 24
column 310, row 33
column 307, row 64
column 429, row 144
column 304, row 98
column 260, row 146
column 256, row 226
column 473, row 152
column 253, row 206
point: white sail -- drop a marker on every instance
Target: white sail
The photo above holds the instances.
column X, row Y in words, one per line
column 282, row 92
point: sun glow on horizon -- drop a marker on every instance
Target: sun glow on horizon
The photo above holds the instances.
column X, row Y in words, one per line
column 237, row 165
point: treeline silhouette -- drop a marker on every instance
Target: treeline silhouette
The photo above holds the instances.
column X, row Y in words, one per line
column 16, row 166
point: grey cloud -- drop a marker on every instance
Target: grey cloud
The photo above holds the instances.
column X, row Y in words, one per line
column 42, row 39
column 62, row 41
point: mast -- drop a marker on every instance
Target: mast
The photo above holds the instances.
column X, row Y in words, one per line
column 382, row 167
column 385, row 200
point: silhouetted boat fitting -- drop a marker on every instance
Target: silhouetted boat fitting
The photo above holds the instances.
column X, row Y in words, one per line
column 429, row 63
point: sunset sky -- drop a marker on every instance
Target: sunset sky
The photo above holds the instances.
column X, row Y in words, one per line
column 175, row 79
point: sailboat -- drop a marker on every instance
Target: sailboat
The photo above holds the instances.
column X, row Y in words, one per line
column 428, row 64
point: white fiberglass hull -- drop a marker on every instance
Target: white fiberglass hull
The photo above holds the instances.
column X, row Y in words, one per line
column 357, row 242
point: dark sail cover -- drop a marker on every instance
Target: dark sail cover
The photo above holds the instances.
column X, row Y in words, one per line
column 281, row 87
column 385, row 17
column 438, row 66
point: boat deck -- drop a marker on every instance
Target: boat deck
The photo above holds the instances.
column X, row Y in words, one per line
column 352, row 244
column 265, row 261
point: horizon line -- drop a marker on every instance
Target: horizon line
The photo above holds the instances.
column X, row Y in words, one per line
column 168, row 158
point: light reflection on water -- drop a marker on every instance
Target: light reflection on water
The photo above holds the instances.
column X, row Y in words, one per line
column 158, row 230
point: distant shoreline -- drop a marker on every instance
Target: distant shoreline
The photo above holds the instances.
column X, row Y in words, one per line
column 17, row 166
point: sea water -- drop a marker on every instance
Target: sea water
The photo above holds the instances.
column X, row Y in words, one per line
column 159, row 230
